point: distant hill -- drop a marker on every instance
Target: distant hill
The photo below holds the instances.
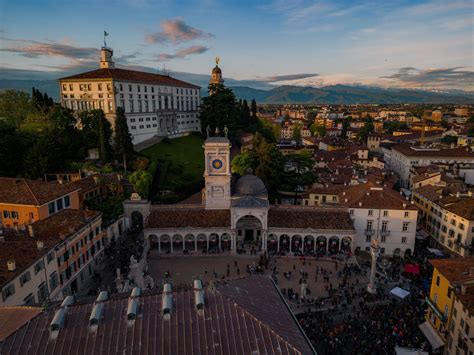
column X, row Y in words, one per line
column 336, row 94
column 343, row 94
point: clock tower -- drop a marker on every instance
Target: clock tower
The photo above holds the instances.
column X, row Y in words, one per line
column 217, row 174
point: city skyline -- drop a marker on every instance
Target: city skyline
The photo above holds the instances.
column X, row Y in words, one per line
column 423, row 44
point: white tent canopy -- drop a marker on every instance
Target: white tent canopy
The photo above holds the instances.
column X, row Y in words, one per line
column 400, row 292
column 408, row 351
column 431, row 334
column 436, row 252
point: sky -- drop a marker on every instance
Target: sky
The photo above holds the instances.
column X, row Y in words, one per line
column 413, row 44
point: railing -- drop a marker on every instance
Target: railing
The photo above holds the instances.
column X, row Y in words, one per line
column 385, row 233
column 369, row 232
column 435, row 310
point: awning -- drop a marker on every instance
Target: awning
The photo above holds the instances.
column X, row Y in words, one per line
column 408, row 351
column 412, row 269
column 422, row 234
column 399, row 292
column 436, row 252
column 435, row 340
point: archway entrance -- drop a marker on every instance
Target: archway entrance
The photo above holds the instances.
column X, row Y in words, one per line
column 309, row 245
column 250, row 228
column 321, row 245
column 284, row 243
column 177, row 242
column 226, row 242
column 346, row 245
column 296, row 243
column 154, row 243
column 137, row 221
column 272, row 243
column 333, row 245
column 165, row 243
column 189, row 242
column 213, row 243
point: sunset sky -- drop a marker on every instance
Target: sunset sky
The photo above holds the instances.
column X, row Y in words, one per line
column 426, row 44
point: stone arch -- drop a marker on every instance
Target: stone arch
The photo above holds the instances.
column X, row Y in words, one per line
column 213, row 242
column 308, row 244
column 249, row 231
column 153, row 241
column 333, row 245
column 321, row 245
column 202, row 242
column 165, row 243
column 284, row 242
column 226, row 241
column 177, row 242
column 190, row 242
column 272, row 243
column 296, row 243
column 346, row 245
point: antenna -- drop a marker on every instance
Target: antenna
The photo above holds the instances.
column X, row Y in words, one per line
column 105, row 37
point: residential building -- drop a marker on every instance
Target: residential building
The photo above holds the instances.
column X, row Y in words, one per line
column 402, row 157
column 383, row 214
column 154, row 104
column 23, row 201
column 448, row 215
column 55, row 258
column 451, row 285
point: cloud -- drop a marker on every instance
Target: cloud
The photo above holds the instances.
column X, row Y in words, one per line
column 35, row 49
column 162, row 57
column 287, row 77
column 176, row 31
column 455, row 77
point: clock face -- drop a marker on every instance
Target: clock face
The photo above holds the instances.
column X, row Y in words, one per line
column 217, row 164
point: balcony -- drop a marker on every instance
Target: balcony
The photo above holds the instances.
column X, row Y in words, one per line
column 385, row 233
column 369, row 232
column 435, row 310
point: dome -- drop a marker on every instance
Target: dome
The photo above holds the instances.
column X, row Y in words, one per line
column 216, row 70
column 250, row 184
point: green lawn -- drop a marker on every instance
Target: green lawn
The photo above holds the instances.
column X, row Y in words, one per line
column 180, row 161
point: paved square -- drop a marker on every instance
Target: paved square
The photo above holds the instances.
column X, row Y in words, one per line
column 182, row 270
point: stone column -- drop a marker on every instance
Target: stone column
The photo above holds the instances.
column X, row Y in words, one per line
column 278, row 244
column 207, row 243
column 264, row 240
column 195, row 243
column 374, row 252
column 159, row 244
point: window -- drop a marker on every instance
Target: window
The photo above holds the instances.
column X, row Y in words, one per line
column 8, row 291
column 405, row 226
column 407, row 214
column 59, row 204
column 371, row 212
column 67, row 201
column 368, row 238
column 435, row 298
column 50, row 257
column 382, row 250
column 99, row 86
column 6, row 214
column 39, row 266
column 133, row 127
column 138, row 88
column 120, row 87
column 384, row 226
column 449, row 292
column 385, row 213
column 383, row 238
column 437, row 281
column 51, row 208
column 369, row 225
column 455, row 313
column 467, row 328
column 24, row 278
column 42, row 292
column 404, row 240
column 29, row 300
column 14, row 214
column 53, row 280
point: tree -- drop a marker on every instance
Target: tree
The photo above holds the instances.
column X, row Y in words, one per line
column 14, row 106
column 63, row 124
column 123, row 145
column 318, row 130
column 42, row 102
column 301, row 173
column 297, row 134
column 253, row 110
column 264, row 159
column 366, row 130
column 345, row 126
column 220, row 109
column 97, row 132
column 141, row 181
column 43, row 156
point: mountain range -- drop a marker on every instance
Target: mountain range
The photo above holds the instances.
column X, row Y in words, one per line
column 263, row 92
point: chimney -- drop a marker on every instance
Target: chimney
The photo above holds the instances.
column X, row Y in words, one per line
column 167, row 300
column 360, row 204
column 198, row 295
column 11, row 265
column 40, row 244
column 61, row 181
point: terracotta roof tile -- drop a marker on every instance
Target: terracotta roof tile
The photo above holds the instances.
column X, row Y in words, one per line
column 309, row 217
column 31, row 192
column 187, row 216
column 131, row 76
column 13, row 318
column 230, row 323
column 455, row 270
column 407, row 149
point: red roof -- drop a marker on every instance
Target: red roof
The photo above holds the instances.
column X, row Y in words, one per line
column 132, row 76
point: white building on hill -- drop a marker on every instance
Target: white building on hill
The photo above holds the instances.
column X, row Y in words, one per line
column 155, row 105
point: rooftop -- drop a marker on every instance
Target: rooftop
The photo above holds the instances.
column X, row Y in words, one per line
column 131, row 76
column 309, row 217
column 235, row 319
column 455, row 270
column 31, row 192
column 439, row 153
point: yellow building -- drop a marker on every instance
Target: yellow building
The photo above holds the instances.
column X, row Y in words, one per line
column 449, row 278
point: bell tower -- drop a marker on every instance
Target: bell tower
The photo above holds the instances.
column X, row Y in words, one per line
column 217, row 173
column 106, row 61
column 216, row 75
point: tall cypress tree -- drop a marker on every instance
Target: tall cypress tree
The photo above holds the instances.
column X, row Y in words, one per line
column 123, row 145
column 253, row 109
